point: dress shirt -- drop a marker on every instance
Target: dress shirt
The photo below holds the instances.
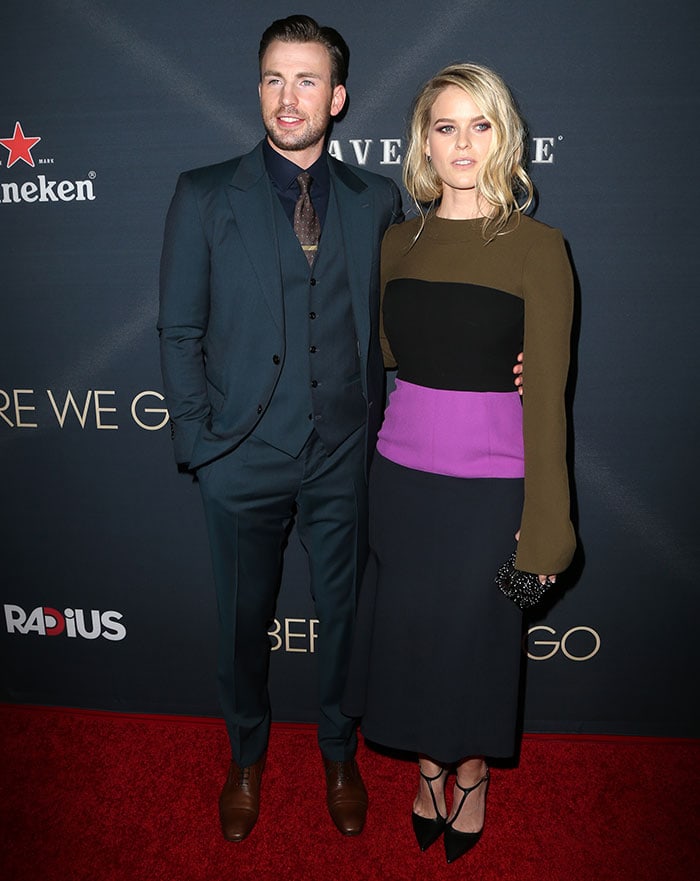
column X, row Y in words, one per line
column 283, row 175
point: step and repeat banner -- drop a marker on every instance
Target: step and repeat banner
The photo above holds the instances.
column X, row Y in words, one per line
column 107, row 594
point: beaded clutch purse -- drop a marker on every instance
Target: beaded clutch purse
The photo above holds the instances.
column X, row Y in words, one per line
column 524, row 588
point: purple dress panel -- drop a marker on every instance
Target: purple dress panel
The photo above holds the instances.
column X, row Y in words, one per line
column 455, row 433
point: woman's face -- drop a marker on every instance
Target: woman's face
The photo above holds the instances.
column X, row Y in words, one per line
column 459, row 138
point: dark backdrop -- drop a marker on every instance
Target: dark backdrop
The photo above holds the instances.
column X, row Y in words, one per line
column 105, row 575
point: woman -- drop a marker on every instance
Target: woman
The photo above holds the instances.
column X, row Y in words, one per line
column 462, row 465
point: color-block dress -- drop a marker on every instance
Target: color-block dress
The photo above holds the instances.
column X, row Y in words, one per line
column 461, row 464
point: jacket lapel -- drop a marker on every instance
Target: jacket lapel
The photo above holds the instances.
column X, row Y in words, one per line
column 357, row 225
column 250, row 196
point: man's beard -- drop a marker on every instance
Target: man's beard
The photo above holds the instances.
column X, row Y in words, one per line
column 308, row 136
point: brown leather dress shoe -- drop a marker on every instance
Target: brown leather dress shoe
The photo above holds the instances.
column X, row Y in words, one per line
column 346, row 796
column 239, row 801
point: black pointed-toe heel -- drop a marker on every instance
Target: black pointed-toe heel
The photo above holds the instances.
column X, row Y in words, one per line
column 458, row 843
column 427, row 830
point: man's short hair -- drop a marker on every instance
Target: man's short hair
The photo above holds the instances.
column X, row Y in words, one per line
column 303, row 29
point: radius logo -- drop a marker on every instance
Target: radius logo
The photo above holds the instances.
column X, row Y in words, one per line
column 73, row 623
column 41, row 188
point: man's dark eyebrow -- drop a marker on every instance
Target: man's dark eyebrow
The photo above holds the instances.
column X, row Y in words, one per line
column 300, row 75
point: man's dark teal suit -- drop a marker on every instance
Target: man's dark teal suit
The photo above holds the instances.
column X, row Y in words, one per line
column 225, row 319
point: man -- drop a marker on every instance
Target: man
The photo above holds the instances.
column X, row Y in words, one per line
column 274, row 382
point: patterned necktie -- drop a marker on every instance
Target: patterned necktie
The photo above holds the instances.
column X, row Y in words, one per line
column 306, row 223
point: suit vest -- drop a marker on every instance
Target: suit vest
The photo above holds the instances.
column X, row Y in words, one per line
column 320, row 386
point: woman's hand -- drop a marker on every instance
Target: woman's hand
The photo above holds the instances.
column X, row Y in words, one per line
column 543, row 578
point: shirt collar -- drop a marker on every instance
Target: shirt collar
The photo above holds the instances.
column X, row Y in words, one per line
column 283, row 172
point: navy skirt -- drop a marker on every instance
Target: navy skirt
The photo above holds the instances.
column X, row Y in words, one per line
column 437, row 653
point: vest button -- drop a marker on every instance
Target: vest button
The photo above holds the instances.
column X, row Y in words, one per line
column 312, row 315
column 312, row 349
column 312, row 282
column 275, row 359
column 314, row 383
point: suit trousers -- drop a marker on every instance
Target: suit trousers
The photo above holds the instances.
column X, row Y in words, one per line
column 250, row 497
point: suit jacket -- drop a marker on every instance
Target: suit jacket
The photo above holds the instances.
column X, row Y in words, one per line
column 221, row 321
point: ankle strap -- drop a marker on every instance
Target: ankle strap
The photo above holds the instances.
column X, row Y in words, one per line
column 467, row 789
column 431, row 779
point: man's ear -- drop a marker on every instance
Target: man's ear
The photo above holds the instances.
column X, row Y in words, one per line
column 338, row 100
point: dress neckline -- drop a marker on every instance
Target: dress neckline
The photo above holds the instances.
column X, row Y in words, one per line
column 452, row 230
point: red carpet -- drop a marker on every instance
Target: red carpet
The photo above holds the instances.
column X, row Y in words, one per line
column 107, row 797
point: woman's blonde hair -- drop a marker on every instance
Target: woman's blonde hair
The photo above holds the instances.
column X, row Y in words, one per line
column 502, row 181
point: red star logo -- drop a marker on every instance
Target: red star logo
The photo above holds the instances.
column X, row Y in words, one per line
column 20, row 147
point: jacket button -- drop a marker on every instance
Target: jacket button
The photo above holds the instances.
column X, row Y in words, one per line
column 314, row 383
column 312, row 315
column 312, row 349
column 259, row 409
column 275, row 359
column 313, row 282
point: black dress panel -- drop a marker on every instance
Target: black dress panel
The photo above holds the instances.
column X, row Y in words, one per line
column 448, row 335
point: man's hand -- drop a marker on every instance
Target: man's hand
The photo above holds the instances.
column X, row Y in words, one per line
column 518, row 371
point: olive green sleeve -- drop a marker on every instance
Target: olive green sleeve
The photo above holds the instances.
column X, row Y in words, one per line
column 547, row 540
